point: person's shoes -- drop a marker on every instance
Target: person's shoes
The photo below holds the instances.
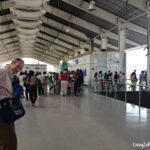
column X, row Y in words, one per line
column 33, row 105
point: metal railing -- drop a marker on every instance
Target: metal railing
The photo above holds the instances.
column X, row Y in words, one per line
column 123, row 91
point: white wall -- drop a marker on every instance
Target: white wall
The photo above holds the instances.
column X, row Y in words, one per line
column 94, row 63
column 113, row 62
column 35, row 68
column 82, row 63
column 98, row 63
column 91, row 63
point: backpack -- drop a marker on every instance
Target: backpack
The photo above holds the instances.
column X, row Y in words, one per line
column 17, row 90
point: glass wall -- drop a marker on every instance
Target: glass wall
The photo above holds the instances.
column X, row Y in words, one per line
column 136, row 59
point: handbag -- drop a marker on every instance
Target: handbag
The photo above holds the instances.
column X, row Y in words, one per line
column 11, row 109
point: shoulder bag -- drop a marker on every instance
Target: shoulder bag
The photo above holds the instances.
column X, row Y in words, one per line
column 11, row 109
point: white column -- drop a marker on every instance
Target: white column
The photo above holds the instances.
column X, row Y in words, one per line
column 76, row 53
column 122, row 42
column 148, row 49
column 104, row 40
column 104, row 43
column 91, row 45
column 56, row 68
column 82, row 51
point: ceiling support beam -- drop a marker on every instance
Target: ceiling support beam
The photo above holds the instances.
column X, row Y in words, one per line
column 102, row 14
column 51, row 57
column 140, row 4
column 50, row 43
column 50, row 32
column 51, row 50
column 46, row 59
column 45, row 51
column 83, row 23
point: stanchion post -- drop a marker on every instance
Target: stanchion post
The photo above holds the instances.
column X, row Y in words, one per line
column 139, row 96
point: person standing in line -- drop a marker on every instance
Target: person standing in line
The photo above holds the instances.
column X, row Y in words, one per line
column 95, row 81
column 57, row 84
column 116, row 80
column 142, row 80
column 101, row 79
column 134, row 80
column 77, row 83
column 69, row 86
column 8, row 139
column 122, row 81
column 64, row 83
column 51, row 82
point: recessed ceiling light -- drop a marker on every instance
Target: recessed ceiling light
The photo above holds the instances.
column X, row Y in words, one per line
column 67, row 28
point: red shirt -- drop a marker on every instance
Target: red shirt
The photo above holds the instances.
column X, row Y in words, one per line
column 64, row 76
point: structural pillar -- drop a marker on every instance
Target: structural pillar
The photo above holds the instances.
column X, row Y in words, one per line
column 122, row 42
column 64, row 65
column 76, row 53
column 56, row 68
column 104, row 43
column 148, row 49
column 82, row 51
column 91, row 45
column 104, row 40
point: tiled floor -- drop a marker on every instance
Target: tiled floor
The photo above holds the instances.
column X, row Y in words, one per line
column 89, row 122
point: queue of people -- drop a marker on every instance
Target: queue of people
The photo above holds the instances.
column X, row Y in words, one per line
column 66, row 83
column 109, row 80
column 142, row 80
column 33, row 85
column 118, row 80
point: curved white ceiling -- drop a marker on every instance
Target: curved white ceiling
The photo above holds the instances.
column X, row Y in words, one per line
column 24, row 14
column 34, row 26
column 24, row 24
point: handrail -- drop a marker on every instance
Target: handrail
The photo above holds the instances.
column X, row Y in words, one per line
column 109, row 86
column 110, row 82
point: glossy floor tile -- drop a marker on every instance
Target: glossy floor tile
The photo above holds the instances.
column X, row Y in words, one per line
column 87, row 122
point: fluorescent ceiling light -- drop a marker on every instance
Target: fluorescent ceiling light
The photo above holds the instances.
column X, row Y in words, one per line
column 43, row 12
column 67, row 28
column 56, row 40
